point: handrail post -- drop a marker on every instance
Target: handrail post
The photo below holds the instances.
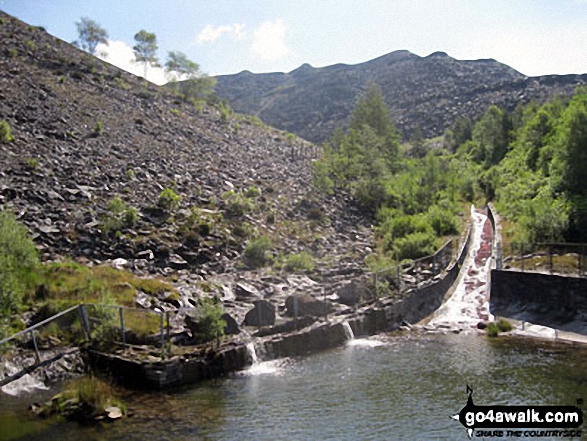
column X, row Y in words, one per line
column 122, row 330
column 85, row 322
column 37, row 355
column 162, row 328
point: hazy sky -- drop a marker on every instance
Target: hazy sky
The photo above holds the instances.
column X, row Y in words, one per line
column 535, row 37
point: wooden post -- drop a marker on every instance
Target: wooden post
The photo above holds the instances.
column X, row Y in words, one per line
column 550, row 258
column 399, row 279
column 522, row 254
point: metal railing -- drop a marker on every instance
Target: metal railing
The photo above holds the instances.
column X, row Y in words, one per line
column 553, row 258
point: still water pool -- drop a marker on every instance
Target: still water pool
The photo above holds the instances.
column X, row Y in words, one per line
column 397, row 387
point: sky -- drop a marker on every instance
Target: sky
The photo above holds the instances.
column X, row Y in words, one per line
column 535, row 37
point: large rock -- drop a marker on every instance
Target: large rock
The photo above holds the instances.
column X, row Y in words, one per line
column 246, row 293
column 231, row 327
column 263, row 314
column 306, row 305
column 352, row 293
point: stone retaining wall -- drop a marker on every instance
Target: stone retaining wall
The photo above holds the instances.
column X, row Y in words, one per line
column 388, row 316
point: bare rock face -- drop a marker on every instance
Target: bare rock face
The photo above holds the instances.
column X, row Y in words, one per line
column 304, row 304
column 263, row 314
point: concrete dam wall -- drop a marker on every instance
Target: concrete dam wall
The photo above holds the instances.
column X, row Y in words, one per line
column 544, row 299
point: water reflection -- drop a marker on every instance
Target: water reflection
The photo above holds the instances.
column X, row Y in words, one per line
column 404, row 387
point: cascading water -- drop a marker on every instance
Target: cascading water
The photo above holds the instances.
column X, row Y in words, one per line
column 469, row 302
column 252, row 352
column 348, row 331
column 26, row 383
column 262, row 367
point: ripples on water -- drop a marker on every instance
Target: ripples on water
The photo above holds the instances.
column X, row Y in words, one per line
column 402, row 387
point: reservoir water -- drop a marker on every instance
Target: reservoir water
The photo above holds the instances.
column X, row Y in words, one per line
column 393, row 387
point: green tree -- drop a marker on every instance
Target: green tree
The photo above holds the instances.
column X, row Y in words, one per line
column 570, row 162
column 372, row 111
column 179, row 67
column 460, row 132
column 491, row 135
column 90, row 35
column 146, row 49
column 187, row 78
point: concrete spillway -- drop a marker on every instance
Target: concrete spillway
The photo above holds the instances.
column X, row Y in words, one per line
column 469, row 302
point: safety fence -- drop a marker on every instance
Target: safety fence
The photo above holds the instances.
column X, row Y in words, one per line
column 553, row 258
column 47, row 340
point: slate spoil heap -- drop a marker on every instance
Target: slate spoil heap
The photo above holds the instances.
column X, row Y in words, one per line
column 86, row 133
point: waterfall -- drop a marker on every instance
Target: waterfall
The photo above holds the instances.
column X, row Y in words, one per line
column 252, row 353
column 258, row 367
column 26, row 383
column 348, row 331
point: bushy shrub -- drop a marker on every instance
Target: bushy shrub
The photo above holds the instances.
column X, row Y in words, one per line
column 256, row 252
column 206, row 321
column 415, row 245
column 18, row 260
column 168, row 199
column 253, row 192
column 492, row 330
column 237, row 204
column 503, row 325
column 5, row 132
column 118, row 216
column 99, row 128
column 442, row 221
column 302, row 262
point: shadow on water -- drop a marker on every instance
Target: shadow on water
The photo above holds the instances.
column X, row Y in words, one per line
column 395, row 387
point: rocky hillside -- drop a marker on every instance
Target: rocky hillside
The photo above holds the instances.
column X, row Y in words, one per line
column 427, row 92
column 104, row 165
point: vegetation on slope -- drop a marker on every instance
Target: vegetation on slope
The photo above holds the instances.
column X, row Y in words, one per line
column 533, row 164
column 415, row 201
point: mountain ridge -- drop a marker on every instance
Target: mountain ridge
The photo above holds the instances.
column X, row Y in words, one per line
column 428, row 92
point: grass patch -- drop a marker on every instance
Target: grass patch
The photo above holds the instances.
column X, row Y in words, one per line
column 82, row 399
column 503, row 325
column 492, row 330
column 69, row 283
